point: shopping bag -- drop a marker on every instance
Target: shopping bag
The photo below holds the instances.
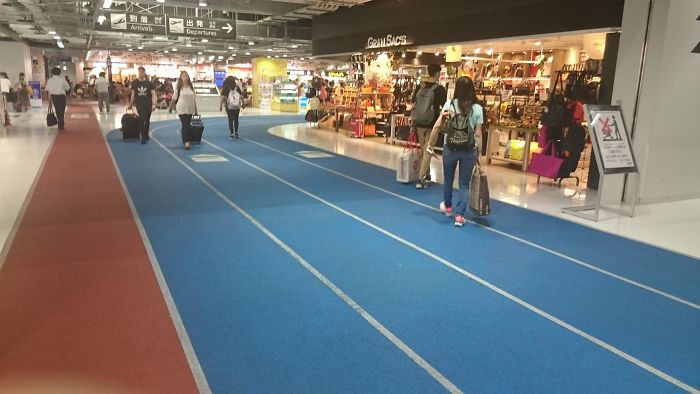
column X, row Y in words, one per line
column 546, row 165
column 479, row 199
column 408, row 164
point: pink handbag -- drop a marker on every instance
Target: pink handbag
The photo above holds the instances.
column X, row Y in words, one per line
column 546, row 165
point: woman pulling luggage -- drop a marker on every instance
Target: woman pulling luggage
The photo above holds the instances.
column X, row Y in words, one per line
column 185, row 103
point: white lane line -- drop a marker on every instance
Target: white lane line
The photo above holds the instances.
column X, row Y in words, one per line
column 499, row 232
column 192, row 360
column 475, row 278
column 440, row 378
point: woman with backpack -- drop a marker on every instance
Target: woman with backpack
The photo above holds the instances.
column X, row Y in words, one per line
column 232, row 98
column 186, row 106
column 461, row 120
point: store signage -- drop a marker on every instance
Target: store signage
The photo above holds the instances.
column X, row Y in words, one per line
column 610, row 138
column 35, row 95
column 335, row 74
column 387, row 42
column 135, row 22
column 201, row 27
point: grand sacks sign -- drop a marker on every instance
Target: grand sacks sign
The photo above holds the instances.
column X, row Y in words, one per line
column 387, row 41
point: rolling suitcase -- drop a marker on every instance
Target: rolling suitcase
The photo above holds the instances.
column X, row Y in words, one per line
column 196, row 128
column 130, row 126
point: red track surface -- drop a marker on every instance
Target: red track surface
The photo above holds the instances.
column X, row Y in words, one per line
column 78, row 297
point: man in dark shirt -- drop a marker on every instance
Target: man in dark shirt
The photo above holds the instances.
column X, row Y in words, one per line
column 143, row 95
column 423, row 130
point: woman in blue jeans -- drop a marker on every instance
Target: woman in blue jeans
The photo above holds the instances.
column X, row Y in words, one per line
column 464, row 109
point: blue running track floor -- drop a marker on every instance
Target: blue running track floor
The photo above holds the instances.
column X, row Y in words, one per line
column 516, row 302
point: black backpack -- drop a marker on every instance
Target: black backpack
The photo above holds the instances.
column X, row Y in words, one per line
column 460, row 134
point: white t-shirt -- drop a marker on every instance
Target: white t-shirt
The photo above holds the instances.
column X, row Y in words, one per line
column 185, row 101
column 102, row 85
column 57, row 86
column 5, row 85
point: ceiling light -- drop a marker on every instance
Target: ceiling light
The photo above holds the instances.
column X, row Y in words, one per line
column 538, row 43
column 220, row 57
column 158, row 38
column 60, row 44
column 269, row 49
column 199, row 53
column 107, row 4
column 131, row 49
column 277, row 56
column 56, row 37
column 269, row 57
column 251, row 43
column 285, row 55
column 295, row 46
column 160, row 1
column 247, row 53
column 140, row 47
column 233, row 55
column 211, row 57
column 174, row 49
column 205, row 40
column 188, row 45
column 167, row 51
column 477, row 51
column 202, row 3
column 301, row 58
column 101, row 19
column 52, row 32
column 419, row 53
column 230, row 48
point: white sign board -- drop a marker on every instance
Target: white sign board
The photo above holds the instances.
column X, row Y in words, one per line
column 611, row 139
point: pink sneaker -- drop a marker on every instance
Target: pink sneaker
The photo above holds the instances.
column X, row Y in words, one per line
column 460, row 221
column 446, row 210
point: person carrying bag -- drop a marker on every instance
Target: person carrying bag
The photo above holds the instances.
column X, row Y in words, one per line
column 51, row 119
column 461, row 121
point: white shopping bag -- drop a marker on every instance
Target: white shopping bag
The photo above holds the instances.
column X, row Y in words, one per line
column 408, row 166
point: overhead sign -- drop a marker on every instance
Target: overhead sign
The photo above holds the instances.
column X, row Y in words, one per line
column 201, row 27
column 136, row 22
column 610, row 138
column 387, row 42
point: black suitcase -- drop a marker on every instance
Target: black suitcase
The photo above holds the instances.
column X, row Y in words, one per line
column 196, row 128
column 130, row 126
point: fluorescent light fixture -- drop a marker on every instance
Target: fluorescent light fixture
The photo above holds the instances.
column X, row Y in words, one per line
column 269, row 57
column 233, row 55
column 211, row 57
column 101, row 19
column 167, row 51
column 251, row 43
column 205, row 40
column 277, row 56
column 56, row 37
column 131, row 49
column 140, row 47
column 202, row 3
column 538, row 43
column 247, row 53
column 107, row 4
column 60, row 44
column 160, row 1
column 301, row 58
column 174, row 49
column 188, row 45
column 230, row 48
column 285, row 55
column 158, row 38
column 295, row 46
column 199, row 53
column 220, row 57
column 269, row 49
column 52, row 32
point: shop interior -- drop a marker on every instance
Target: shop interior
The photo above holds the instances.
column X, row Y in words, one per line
column 515, row 80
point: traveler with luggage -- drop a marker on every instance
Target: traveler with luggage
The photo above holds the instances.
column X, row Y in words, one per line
column 427, row 102
column 232, row 98
column 461, row 121
column 56, row 88
column 185, row 103
column 143, row 95
column 102, row 86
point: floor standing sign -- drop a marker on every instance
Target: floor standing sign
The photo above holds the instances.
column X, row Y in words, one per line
column 35, row 95
column 613, row 149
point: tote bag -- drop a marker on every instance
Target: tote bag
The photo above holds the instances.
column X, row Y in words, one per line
column 51, row 117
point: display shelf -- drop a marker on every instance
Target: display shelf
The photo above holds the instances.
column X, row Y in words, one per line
column 285, row 97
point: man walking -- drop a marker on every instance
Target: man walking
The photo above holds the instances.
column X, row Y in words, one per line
column 143, row 94
column 56, row 87
column 102, row 86
column 427, row 103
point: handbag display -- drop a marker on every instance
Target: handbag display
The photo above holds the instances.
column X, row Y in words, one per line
column 479, row 198
column 546, row 165
column 51, row 119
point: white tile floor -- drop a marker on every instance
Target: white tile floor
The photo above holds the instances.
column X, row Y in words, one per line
column 672, row 226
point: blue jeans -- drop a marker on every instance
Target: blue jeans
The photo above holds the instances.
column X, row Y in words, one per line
column 466, row 160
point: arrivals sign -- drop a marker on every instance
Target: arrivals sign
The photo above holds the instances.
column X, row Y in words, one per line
column 611, row 139
column 136, row 23
column 159, row 24
column 387, row 41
